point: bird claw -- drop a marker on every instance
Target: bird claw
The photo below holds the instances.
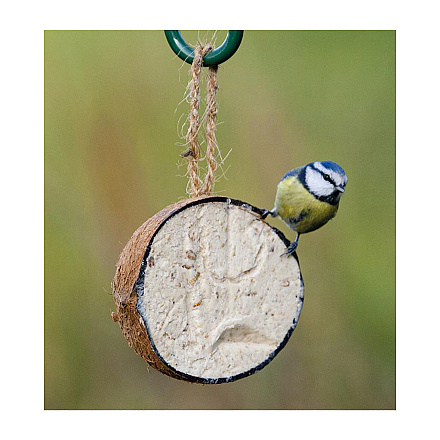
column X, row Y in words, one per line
column 264, row 214
column 291, row 249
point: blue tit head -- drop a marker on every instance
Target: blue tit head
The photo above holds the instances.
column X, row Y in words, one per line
column 325, row 180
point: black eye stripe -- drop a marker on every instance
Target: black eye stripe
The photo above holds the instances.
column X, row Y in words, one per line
column 328, row 178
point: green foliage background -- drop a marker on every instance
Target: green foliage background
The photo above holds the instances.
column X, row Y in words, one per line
column 286, row 98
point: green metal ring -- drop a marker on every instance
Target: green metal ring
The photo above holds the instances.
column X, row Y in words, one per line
column 217, row 56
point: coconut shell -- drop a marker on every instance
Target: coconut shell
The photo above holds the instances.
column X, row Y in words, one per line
column 139, row 316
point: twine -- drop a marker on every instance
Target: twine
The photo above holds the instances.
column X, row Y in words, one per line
column 199, row 187
column 211, row 118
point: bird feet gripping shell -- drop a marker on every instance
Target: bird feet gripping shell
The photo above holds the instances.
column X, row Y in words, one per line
column 292, row 247
column 266, row 212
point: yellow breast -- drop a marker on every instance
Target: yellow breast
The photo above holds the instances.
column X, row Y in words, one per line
column 300, row 209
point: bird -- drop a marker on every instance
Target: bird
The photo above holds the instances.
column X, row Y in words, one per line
column 308, row 197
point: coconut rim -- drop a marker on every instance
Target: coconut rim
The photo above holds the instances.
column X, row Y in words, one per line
column 139, row 287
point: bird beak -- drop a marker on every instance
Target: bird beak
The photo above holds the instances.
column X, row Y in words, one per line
column 340, row 189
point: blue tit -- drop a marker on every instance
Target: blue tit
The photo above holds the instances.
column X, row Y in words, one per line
column 308, row 197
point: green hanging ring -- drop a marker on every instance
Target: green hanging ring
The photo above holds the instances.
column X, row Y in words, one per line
column 217, row 56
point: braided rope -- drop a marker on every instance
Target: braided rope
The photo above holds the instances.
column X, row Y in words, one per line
column 197, row 186
column 192, row 137
column 211, row 118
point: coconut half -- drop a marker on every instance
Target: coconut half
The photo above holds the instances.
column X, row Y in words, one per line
column 204, row 293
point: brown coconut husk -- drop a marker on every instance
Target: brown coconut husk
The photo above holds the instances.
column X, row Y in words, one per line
column 124, row 292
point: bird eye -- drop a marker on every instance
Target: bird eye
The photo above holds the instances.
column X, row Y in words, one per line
column 327, row 177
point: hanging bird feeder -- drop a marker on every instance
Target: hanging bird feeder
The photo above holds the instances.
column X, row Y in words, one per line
column 202, row 290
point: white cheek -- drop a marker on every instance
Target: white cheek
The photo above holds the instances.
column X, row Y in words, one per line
column 317, row 184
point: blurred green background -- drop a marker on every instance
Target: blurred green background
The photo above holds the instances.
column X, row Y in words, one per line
column 112, row 116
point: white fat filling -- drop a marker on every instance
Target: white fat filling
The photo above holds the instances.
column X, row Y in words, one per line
column 218, row 296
